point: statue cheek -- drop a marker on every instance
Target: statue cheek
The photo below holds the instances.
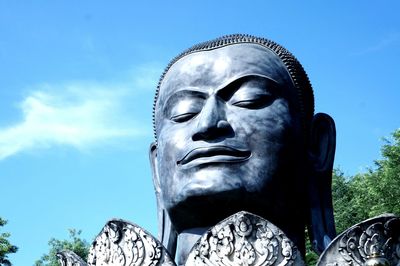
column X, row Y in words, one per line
column 175, row 134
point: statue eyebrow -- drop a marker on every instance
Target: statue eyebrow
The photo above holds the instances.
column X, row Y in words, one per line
column 191, row 92
column 227, row 90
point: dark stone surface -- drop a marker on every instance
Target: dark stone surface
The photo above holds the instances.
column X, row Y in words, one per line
column 236, row 131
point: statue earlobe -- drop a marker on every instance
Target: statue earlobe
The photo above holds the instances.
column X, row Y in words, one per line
column 166, row 233
column 322, row 145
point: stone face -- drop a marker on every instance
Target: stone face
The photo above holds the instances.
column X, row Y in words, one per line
column 225, row 122
column 372, row 242
column 123, row 243
column 236, row 131
column 244, row 239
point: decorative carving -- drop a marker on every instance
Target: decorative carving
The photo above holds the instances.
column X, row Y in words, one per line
column 69, row 258
column 123, row 243
column 247, row 240
column 244, row 239
column 373, row 242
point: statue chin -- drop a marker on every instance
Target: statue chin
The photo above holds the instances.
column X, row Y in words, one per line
column 208, row 181
column 213, row 193
column 196, row 209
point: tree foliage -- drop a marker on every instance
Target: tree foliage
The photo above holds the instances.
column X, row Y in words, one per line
column 365, row 195
column 311, row 257
column 369, row 194
column 75, row 243
column 5, row 246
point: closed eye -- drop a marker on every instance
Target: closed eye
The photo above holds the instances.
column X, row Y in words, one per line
column 185, row 107
column 183, row 117
column 252, row 92
column 254, row 103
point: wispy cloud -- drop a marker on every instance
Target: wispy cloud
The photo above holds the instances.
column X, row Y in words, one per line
column 381, row 44
column 145, row 75
column 80, row 114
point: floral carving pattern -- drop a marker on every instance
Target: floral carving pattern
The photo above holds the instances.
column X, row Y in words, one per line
column 244, row 239
column 378, row 240
column 373, row 242
column 121, row 243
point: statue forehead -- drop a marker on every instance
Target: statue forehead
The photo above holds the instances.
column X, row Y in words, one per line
column 267, row 57
column 222, row 65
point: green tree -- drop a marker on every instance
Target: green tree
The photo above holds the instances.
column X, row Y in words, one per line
column 365, row 195
column 369, row 194
column 385, row 180
column 346, row 200
column 5, row 246
column 75, row 244
column 311, row 256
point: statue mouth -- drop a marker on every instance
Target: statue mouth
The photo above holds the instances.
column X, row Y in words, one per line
column 214, row 154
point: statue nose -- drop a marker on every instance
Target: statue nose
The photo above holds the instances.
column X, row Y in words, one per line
column 212, row 121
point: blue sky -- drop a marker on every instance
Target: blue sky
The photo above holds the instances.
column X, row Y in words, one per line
column 77, row 83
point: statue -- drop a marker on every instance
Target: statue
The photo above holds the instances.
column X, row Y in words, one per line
column 241, row 167
column 235, row 130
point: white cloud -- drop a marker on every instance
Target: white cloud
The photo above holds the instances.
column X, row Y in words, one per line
column 145, row 75
column 383, row 43
column 80, row 114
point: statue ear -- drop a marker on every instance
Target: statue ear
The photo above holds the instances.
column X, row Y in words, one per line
column 322, row 144
column 154, row 170
column 166, row 232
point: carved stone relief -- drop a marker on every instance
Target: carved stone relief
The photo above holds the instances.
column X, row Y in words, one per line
column 373, row 242
column 244, row 239
column 123, row 243
column 69, row 258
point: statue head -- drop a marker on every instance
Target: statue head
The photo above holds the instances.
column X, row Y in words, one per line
column 235, row 130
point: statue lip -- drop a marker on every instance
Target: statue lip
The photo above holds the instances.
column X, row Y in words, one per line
column 214, row 154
